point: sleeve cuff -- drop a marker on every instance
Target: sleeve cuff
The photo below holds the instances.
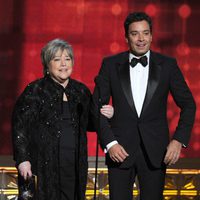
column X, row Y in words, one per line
column 183, row 145
column 109, row 145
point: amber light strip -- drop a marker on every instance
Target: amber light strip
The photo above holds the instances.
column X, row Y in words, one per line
column 136, row 192
column 106, row 192
column 9, row 191
column 8, row 169
column 169, row 171
column 90, row 192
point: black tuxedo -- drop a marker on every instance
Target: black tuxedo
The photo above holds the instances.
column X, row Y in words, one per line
column 151, row 128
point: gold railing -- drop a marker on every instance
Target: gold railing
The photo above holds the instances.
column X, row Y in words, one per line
column 179, row 182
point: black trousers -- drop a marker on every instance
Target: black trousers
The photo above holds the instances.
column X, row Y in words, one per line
column 67, row 175
column 151, row 180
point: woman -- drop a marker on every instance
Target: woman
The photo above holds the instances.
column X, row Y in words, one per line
column 49, row 123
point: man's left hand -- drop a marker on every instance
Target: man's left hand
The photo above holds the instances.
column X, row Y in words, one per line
column 173, row 152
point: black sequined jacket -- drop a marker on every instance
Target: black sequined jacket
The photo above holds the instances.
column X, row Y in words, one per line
column 36, row 134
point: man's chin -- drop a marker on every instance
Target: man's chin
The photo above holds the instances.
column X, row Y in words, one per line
column 139, row 53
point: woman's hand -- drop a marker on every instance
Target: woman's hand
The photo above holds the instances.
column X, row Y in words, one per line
column 25, row 169
column 107, row 111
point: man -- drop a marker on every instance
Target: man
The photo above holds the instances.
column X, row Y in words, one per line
column 136, row 139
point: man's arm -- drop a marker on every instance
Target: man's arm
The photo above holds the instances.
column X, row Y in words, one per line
column 185, row 101
column 102, row 92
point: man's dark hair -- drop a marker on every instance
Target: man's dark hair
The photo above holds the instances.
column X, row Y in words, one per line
column 136, row 17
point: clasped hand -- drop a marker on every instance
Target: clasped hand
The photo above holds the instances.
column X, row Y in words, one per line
column 25, row 169
column 118, row 153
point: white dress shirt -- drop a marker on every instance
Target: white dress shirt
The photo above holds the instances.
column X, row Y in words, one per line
column 139, row 78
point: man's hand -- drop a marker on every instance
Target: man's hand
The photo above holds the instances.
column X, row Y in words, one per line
column 107, row 111
column 173, row 152
column 25, row 169
column 117, row 153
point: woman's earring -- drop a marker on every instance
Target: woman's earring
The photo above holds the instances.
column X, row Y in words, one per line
column 47, row 72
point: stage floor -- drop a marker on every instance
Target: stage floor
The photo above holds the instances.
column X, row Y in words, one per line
column 182, row 181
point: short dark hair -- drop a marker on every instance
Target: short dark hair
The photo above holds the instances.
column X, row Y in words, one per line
column 136, row 17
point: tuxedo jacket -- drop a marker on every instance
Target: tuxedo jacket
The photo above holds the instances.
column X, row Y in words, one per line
column 151, row 128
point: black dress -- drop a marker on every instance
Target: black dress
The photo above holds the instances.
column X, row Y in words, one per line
column 35, row 122
column 67, row 156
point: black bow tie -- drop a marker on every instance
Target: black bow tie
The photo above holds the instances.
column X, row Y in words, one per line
column 142, row 60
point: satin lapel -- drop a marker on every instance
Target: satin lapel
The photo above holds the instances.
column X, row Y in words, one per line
column 153, row 81
column 124, row 76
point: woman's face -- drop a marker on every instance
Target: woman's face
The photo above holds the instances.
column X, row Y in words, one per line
column 61, row 67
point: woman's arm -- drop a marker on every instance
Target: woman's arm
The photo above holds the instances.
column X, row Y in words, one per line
column 22, row 119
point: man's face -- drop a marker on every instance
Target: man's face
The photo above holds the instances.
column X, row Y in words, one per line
column 139, row 37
